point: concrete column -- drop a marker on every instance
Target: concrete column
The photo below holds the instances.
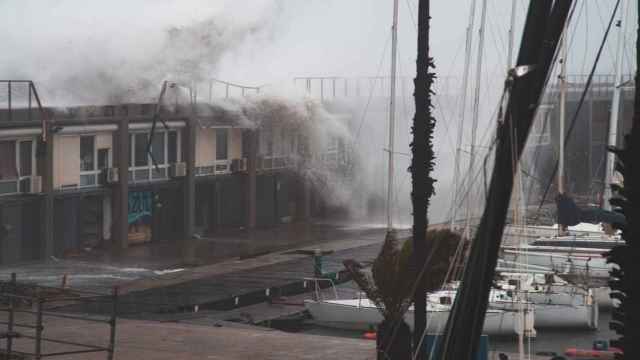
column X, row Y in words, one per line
column 47, row 189
column 189, row 187
column 252, row 164
column 120, row 210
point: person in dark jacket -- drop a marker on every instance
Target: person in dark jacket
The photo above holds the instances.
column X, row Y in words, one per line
column 568, row 213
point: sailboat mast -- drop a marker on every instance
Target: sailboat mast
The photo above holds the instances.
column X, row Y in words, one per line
column 392, row 113
column 518, row 214
column 476, row 110
column 512, row 26
column 615, row 111
column 463, row 106
column 563, row 111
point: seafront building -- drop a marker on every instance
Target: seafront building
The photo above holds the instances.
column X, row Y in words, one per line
column 77, row 178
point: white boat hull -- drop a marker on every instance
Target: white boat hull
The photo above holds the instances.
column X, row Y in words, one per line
column 562, row 316
column 346, row 314
column 557, row 303
column 588, row 265
column 603, row 298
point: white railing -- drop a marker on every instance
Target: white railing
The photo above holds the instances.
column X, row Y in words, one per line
column 276, row 162
column 205, row 170
column 317, row 288
column 148, row 173
column 219, row 167
column 89, row 178
column 222, row 166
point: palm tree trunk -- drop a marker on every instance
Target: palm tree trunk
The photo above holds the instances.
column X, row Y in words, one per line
column 422, row 165
column 393, row 340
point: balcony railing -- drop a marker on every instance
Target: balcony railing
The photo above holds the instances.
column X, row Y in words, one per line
column 19, row 101
column 275, row 162
column 219, row 167
column 90, row 178
column 148, row 173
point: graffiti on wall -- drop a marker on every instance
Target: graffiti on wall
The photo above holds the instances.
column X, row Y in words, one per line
column 139, row 216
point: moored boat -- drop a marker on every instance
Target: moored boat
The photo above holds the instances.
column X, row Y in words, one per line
column 363, row 314
column 558, row 304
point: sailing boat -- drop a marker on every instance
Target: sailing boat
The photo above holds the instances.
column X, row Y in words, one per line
column 363, row 314
column 557, row 303
column 577, row 253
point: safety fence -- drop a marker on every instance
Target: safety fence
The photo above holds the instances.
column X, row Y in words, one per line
column 29, row 312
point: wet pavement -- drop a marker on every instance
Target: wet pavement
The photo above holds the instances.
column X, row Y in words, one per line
column 137, row 339
column 101, row 270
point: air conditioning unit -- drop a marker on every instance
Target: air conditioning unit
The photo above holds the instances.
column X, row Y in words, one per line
column 178, row 169
column 111, row 175
column 239, row 165
column 35, row 184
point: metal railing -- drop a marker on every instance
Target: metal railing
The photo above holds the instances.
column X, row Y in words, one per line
column 317, row 287
column 275, row 162
column 331, row 87
column 17, row 298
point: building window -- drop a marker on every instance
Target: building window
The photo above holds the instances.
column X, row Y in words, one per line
column 26, row 155
column 16, row 165
column 87, row 153
column 222, row 137
column 140, row 144
column 103, row 159
column 26, row 164
column 172, row 147
column 158, row 148
column 8, row 170
column 165, row 149
column 88, row 161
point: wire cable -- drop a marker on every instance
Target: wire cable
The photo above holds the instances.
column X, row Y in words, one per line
column 580, row 103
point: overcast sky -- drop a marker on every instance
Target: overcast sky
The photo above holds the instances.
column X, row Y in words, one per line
column 272, row 40
column 93, row 52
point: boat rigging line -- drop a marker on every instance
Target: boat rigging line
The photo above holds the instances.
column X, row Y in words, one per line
column 371, row 90
column 543, row 28
column 463, row 102
column 476, row 108
column 580, row 103
column 615, row 111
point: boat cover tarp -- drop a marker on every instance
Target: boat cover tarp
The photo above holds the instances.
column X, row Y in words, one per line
column 569, row 214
